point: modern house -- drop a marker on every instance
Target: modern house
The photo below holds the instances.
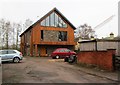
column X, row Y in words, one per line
column 50, row 32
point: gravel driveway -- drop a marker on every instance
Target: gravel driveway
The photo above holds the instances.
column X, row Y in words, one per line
column 46, row 70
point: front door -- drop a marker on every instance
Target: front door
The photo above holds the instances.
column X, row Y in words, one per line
column 43, row 51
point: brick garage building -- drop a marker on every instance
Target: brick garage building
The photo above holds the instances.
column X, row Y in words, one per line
column 50, row 32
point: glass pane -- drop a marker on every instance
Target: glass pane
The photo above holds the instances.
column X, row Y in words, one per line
column 62, row 50
column 4, row 52
column 60, row 21
column 56, row 20
column 62, row 36
column 64, row 24
column 43, row 23
column 52, row 19
column 10, row 52
column 47, row 21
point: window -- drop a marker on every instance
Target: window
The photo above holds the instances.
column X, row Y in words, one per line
column 53, row 20
column 41, row 34
column 64, row 24
column 60, row 22
column 43, row 23
column 56, row 20
column 67, row 50
column 62, row 50
column 47, row 21
column 11, row 52
column 3, row 52
column 62, row 36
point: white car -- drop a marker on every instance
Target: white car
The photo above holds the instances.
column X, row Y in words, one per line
column 11, row 55
column 0, row 60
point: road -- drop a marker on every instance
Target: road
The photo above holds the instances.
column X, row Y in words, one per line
column 46, row 70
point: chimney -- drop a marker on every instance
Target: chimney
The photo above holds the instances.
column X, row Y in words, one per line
column 111, row 35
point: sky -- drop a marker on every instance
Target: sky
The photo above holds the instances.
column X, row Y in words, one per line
column 78, row 12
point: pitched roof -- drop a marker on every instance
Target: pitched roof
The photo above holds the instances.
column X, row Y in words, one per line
column 53, row 10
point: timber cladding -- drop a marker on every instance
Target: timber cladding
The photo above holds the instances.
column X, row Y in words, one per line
column 98, row 45
column 53, row 29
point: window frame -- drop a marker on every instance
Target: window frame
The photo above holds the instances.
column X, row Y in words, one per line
column 42, row 35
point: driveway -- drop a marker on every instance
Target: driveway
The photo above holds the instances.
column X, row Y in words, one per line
column 46, row 70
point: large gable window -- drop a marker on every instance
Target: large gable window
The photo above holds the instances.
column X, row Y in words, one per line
column 53, row 20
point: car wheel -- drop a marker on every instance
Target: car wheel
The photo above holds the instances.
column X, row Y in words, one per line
column 53, row 57
column 71, row 58
column 57, row 57
column 16, row 60
column 65, row 59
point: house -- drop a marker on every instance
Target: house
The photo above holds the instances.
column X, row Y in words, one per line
column 50, row 32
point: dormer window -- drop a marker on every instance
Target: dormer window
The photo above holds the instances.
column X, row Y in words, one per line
column 53, row 20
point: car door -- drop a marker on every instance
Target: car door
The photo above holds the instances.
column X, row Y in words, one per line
column 4, row 55
column 62, row 52
column 66, row 52
column 10, row 54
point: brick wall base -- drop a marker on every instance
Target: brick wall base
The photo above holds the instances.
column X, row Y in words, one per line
column 102, row 59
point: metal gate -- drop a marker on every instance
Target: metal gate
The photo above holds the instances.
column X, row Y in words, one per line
column 116, row 62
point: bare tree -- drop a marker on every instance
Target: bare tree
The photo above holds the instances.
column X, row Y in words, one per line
column 17, row 28
column 2, row 32
column 9, row 33
column 5, row 27
column 27, row 23
column 85, row 32
column 13, row 35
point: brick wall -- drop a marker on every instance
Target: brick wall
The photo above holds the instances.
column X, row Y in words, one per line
column 102, row 59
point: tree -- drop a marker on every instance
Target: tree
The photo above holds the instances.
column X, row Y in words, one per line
column 27, row 23
column 2, row 32
column 85, row 32
column 5, row 27
column 19, row 27
column 9, row 33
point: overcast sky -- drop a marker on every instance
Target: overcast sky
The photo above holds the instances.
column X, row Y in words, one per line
column 78, row 12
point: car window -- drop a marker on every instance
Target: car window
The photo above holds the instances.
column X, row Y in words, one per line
column 61, row 50
column 11, row 52
column 0, row 52
column 67, row 50
column 3, row 52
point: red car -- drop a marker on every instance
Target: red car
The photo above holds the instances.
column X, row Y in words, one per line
column 63, row 53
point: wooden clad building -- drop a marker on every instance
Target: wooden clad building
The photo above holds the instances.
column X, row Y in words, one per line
column 100, row 45
column 50, row 32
